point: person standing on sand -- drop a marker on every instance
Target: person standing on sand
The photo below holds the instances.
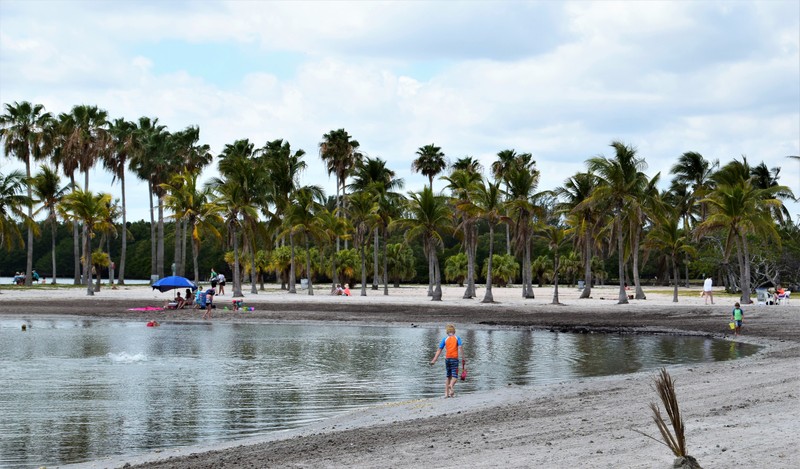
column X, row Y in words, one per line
column 707, row 291
column 221, row 284
column 209, row 303
column 213, row 277
column 738, row 316
column 453, row 350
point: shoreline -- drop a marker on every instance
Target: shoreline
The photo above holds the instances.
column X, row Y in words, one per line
column 744, row 412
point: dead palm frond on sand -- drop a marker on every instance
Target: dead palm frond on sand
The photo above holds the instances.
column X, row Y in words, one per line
column 676, row 442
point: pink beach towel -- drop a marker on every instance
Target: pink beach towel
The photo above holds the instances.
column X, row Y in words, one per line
column 146, row 308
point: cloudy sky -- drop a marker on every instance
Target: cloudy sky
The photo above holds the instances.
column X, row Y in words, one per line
column 560, row 80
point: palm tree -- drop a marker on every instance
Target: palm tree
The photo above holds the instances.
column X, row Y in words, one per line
column 507, row 161
column 620, row 181
column 764, row 178
column 91, row 210
column 301, row 219
column 122, row 146
column 468, row 164
column 88, row 137
column 584, row 221
column 48, row 192
column 521, row 180
column 362, row 208
column 241, row 193
column 462, row 183
column 400, row 262
column 667, row 236
column 430, row 162
column 24, row 132
column 59, row 130
column 371, row 174
column 739, row 208
column 428, row 216
column 12, row 200
column 190, row 203
column 556, row 237
column 695, row 171
column 488, row 199
column 647, row 206
column 333, row 228
column 339, row 151
column 149, row 163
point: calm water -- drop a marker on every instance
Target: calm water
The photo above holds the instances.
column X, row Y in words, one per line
column 74, row 391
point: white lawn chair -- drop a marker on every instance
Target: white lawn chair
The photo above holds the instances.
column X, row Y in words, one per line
column 784, row 298
column 762, row 295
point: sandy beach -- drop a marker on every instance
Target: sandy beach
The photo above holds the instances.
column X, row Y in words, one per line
column 741, row 413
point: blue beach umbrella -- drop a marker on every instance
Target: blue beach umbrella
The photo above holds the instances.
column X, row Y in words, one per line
column 173, row 282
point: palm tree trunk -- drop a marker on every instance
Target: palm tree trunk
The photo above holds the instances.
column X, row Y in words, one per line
column 182, row 264
column 124, row 249
column 375, row 261
column 744, row 263
column 385, row 268
column 437, row 276
column 555, row 277
column 430, row 271
column 176, row 255
column 195, row 255
column 363, row 270
column 253, row 288
column 623, row 296
column 53, row 231
column 468, row 293
column 639, row 292
column 587, row 266
column 160, row 246
column 29, row 255
column 487, row 297
column 153, row 258
column 528, row 273
column 292, row 275
column 677, row 279
column 308, row 269
column 237, row 275
column 87, row 260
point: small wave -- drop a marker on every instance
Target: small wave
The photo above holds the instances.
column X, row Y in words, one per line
column 124, row 357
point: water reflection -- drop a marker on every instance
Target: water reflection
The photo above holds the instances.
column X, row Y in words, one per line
column 78, row 390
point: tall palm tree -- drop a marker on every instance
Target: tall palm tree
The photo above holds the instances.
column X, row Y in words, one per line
column 430, row 162
column 240, row 167
column 48, row 192
column 340, row 153
column 190, row 203
column 59, row 130
column 301, row 220
column 556, row 237
column 584, row 221
column 522, row 180
column 695, row 171
column 428, row 216
column 24, row 132
column 620, row 181
column 91, row 210
column 764, row 178
column 333, row 228
column 646, row 206
column 371, row 174
column 667, row 236
column 462, row 183
column 507, row 161
column 122, row 133
column 363, row 210
column 149, row 162
column 88, row 138
column 488, row 199
column 12, row 202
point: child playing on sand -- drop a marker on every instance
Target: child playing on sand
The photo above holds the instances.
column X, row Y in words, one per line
column 452, row 344
column 738, row 315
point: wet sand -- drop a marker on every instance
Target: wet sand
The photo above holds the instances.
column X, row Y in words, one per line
column 742, row 413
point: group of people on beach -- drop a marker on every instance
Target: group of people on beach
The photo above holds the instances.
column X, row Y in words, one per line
column 19, row 277
column 217, row 281
column 339, row 291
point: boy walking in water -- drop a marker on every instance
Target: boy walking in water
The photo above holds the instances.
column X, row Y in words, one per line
column 452, row 346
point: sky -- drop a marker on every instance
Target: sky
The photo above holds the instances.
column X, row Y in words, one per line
column 560, row 80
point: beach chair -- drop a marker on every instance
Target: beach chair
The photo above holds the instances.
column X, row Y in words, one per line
column 762, row 295
column 783, row 298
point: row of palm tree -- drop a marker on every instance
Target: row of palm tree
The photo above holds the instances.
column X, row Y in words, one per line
column 257, row 197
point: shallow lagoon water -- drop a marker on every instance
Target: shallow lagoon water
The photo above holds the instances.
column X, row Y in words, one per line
column 78, row 390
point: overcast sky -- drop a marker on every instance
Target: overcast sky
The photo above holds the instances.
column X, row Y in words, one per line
column 560, row 80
